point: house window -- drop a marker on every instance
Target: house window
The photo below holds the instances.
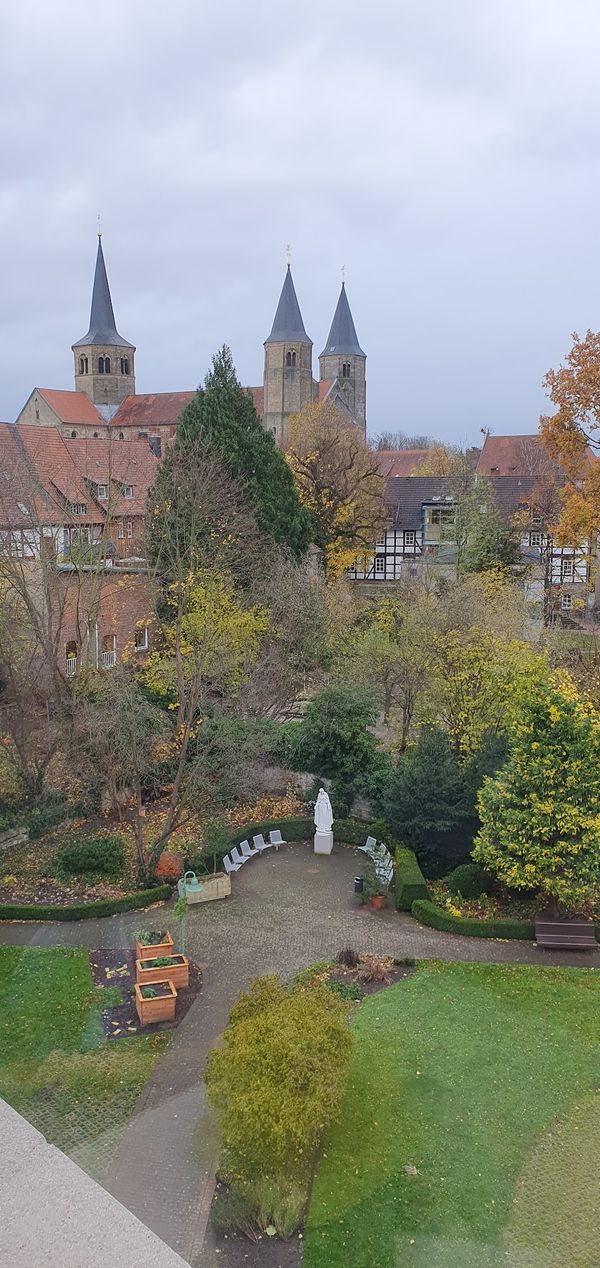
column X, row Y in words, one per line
column 566, row 602
column 380, row 543
column 108, row 656
column 380, row 564
column 409, row 538
column 37, row 415
column 345, row 369
column 140, row 639
column 71, row 659
column 102, row 491
column 73, row 435
column 121, row 435
column 567, row 570
column 535, row 539
column 536, row 519
column 120, row 529
column 128, row 491
column 22, row 508
column 130, row 528
column 78, row 508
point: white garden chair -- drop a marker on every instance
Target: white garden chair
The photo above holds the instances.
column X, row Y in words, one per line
column 229, row 866
column 276, row 839
column 260, row 843
column 248, row 851
column 236, row 857
column 369, row 845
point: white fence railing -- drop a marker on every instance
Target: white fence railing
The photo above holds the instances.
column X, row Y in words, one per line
column 108, row 660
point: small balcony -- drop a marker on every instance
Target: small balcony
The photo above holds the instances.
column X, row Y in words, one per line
column 71, row 666
column 108, row 659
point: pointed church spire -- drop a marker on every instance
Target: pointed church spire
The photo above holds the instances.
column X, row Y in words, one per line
column 342, row 339
column 288, row 326
column 102, row 319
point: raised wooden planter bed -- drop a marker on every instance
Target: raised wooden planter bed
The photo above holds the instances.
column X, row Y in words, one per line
column 161, row 1007
column 177, row 971
column 217, row 885
column 149, row 950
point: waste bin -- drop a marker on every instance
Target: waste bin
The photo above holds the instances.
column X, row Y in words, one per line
column 359, row 884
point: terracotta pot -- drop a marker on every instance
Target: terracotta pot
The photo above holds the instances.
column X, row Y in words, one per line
column 161, row 1008
column 377, row 901
column 148, row 950
column 177, row 972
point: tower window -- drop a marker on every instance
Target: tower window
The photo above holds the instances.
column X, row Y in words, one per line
column 124, row 365
column 290, row 359
column 107, row 365
column 345, row 369
column 83, row 365
column 103, row 365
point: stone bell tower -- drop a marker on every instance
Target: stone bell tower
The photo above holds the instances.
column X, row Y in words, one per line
column 343, row 359
column 288, row 380
column 104, row 361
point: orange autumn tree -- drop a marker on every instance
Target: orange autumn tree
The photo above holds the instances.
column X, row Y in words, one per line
column 570, row 437
column 338, row 482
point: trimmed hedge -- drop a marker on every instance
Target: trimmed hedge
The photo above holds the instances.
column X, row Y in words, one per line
column 409, row 881
column 86, row 911
column 469, row 926
column 469, row 880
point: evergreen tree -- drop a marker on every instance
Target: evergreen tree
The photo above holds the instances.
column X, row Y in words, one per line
column 540, row 815
column 223, row 417
column 426, row 805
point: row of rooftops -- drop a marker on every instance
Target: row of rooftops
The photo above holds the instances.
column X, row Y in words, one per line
column 43, row 475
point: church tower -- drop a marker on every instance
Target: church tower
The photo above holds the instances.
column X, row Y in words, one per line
column 343, row 359
column 104, row 365
column 288, row 380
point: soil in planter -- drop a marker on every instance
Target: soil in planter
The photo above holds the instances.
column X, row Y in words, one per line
column 112, row 967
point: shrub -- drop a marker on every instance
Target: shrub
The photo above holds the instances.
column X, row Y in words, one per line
column 469, row 926
column 272, row 1121
column 234, row 1211
column 350, row 991
column 348, row 957
column 409, row 880
column 280, row 1204
column 469, row 880
column 334, row 735
column 86, row 911
column 375, row 968
column 425, row 802
column 169, row 866
column 90, row 857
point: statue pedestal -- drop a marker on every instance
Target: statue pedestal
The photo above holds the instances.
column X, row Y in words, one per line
column 323, row 842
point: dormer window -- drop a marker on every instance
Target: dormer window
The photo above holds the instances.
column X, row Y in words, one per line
column 128, row 491
column 290, row 359
column 78, row 508
column 345, row 369
column 73, row 435
column 102, row 491
column 22, row 508
column 121, row 435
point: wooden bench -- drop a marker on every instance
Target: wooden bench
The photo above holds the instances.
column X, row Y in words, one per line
column 570, row 935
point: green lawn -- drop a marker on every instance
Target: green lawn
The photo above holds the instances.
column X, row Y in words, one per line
column 484, row 1078
column 55, row 1066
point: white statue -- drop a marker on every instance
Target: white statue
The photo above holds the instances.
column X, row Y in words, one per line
column 323, row 812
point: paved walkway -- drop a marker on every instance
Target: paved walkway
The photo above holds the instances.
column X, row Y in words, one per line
column 287, row 911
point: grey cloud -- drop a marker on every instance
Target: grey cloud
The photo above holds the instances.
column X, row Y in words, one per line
column 446, row 154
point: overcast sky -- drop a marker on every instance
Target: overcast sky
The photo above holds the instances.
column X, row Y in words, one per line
column 446, row 154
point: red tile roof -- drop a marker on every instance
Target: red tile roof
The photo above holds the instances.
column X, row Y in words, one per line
column 71, row 407
column 400, row 462
column 325, row 386
column 151, row 409
column 124, row 462
column 258, row 397
column 518, row 456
